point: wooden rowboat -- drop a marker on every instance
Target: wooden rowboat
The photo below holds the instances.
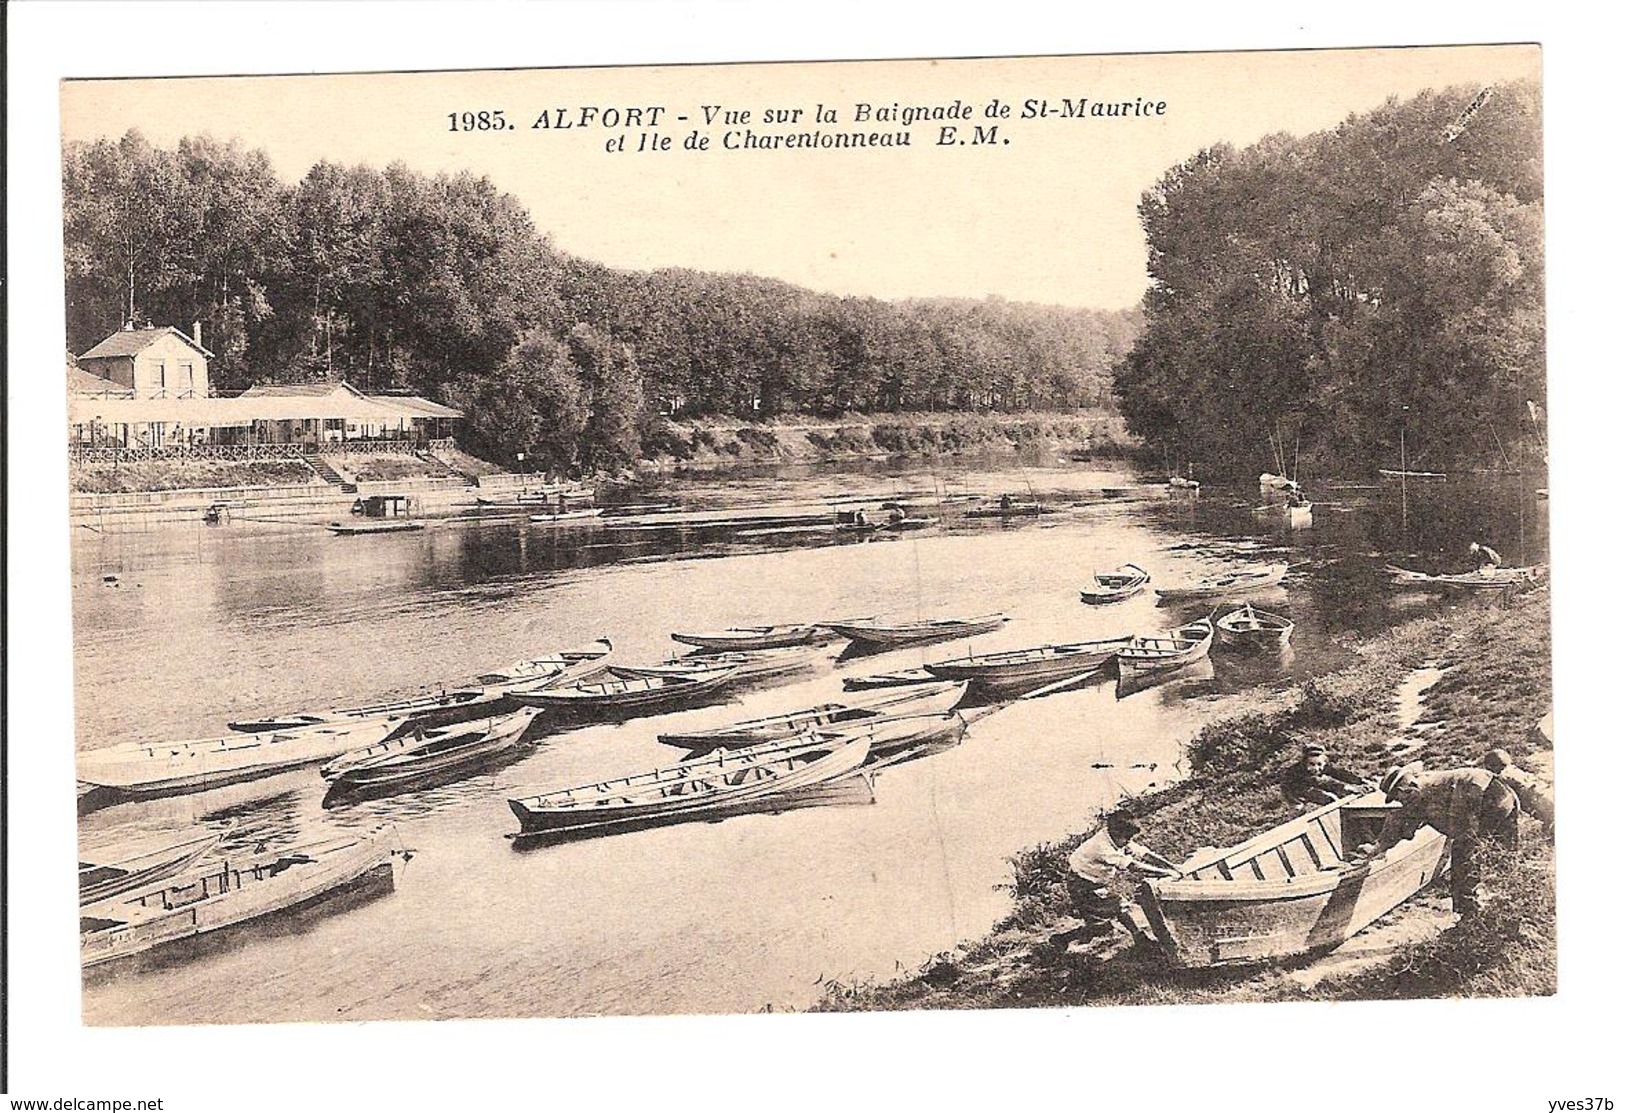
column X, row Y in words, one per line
column 1228, row 584
column 613, row 697
column 1292, row 890
column 876, row 633
column 1010, row 508
column 1246, row 626
column 167, row 768
column 556, row 668
column 891, row 735
column 1495, row 579
column 347, row 529
column 236, row 892
column 727, row 782
column 1113, row 587
column 1175, row 649
column 898, row 679
column 924, row 699
column 435, row 709
column 758, row 637
column 143, row 867
column 426, row 754
column 581, row 515
column 1019, row 669
column 756, row 665
column 1394, row 475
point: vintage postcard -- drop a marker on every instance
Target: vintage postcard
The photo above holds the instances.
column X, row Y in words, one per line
column 826, row 536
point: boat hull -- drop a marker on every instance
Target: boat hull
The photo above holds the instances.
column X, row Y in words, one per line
column 1114, row 587
column 603, row 815
column 770, row 639
column 1010, row 672
column 1145, row 656
column 1232, row 586
column 935, row 699
column 127, row 927
column 877, row 634
column 405, row 761
column 1289, row 892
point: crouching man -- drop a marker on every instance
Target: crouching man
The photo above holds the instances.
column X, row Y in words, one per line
column 1103, row 857
column 1465, row 805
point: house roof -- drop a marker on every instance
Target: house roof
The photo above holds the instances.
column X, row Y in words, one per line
column 348, row 404
column 300, row 390
column 81, row 381
column 129, row 342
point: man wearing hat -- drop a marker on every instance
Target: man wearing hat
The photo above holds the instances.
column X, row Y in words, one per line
column 1534, row 798
column 1465, row 805
column 1313, row 780
column 1101, row 859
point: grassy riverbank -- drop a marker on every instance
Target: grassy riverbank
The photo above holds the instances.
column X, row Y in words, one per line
column 706, row 444
column 1495, row 684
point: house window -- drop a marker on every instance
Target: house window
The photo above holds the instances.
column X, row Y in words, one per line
column 163, row 380
column 184, row 381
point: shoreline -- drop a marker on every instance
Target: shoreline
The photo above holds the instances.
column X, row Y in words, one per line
column 1495, row 674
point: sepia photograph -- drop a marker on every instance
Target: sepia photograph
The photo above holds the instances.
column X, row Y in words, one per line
column 1047, row 531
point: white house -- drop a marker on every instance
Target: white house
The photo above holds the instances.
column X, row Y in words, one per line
column 153, row 362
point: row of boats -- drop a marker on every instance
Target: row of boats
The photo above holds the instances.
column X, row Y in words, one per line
column 824, row 754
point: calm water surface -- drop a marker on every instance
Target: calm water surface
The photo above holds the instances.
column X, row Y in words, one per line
column 207, row 625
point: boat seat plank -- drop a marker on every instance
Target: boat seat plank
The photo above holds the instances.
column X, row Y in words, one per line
column 1298, row 857
column 1321, row 844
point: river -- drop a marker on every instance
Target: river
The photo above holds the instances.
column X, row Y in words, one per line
column 180, row 630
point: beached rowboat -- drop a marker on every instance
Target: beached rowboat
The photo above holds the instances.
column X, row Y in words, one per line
column 165, row 768
column 235, row 892
column 1489, row 579
column 1017, row 669
column 1112, row 587
column 924, row 699
column 723, row 783
column 1175, row 649
column 98, row 882
column 1228, row 584
column 426, row 754
column 1294, row 889
column 877, row 633
column 1249, row 627
column 758, row 637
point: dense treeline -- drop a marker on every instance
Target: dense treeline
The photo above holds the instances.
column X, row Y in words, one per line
column 393, row 279
column 1338, row 288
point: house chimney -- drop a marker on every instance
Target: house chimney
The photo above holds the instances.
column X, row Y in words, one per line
column 197, row 333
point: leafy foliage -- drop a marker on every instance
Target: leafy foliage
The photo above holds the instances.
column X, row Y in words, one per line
column 1383, row 276
column 393, row 279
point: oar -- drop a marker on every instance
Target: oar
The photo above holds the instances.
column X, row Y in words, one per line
column 1061, row 685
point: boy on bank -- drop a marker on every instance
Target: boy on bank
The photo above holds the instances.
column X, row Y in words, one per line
column 1104, row 856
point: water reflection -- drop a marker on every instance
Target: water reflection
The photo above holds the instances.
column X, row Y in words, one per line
column 728, row 916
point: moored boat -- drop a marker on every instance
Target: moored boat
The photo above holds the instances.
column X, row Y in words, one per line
column 347, row 529
column 756, row 664
column 1227, row 584
column 723, row 783
column 639, row 696
column 925, row 699
column 1268, row 483
column 134, row 869
column 896, row 679
column 425, row 754
column 1247, row 626
column 1292, row 890
column 165, row 768
column 433, row 709
column 1490, row 579
column 1017, row 669
column 556, row 668
column 877, row 633
column 1172, row 650
column 1124, row 582
column 757, row 637
column 578, row 515
column 1394, row 475
column 1010, row 506
column 235, row 892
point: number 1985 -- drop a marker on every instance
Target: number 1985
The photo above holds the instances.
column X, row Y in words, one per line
column 490, row 120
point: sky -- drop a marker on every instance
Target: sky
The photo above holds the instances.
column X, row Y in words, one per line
column 1045, row 212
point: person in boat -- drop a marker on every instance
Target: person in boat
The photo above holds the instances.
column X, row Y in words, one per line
column 1314, row 780
column 1100, row 860
column 1534, row 798
column 1294, row 496
column 1006, row 503
column 1467, row 806
column 1488, row 559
